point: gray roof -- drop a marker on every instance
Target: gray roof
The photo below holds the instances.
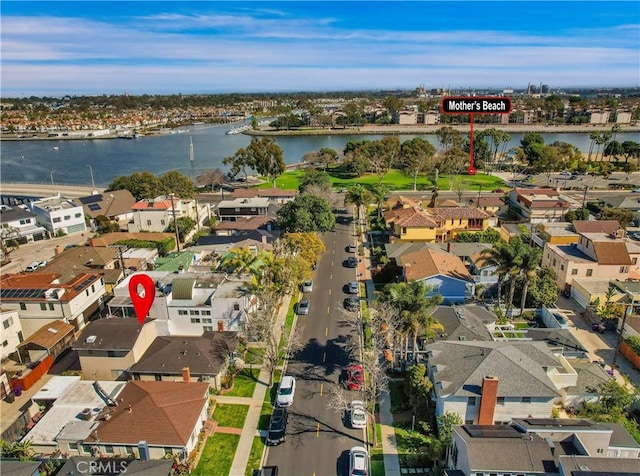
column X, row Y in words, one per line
column 19, row 468
column 12, row 214
column 575, row 465
column 590, row 376
column 513, row 453
column 135, row 467
column 110, row 334
column 394, row 250
column 519, row 366
column 461, row 323
column 620, row 438
column 556, row 338
column 204, row 355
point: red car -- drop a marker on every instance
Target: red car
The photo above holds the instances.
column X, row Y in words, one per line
column 354, row 377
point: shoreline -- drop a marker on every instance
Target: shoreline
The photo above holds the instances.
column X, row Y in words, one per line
column 431, row 129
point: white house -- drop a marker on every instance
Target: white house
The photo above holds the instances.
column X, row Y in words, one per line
column 59, row 215
column 11, row 333
column 157, row 214
column 21, row 224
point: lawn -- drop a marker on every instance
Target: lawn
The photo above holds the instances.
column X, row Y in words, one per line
column 395, row 180
column 255, row 457
column 217, row 456
column 377, row 463
column 244, row 383
column 288, row 324
column 230, row 415
column 254, row 355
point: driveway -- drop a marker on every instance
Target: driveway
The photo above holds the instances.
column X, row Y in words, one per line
column 599, row 346
column 41, row 251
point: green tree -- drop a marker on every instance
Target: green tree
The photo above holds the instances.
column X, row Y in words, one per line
column 359, row 196
column 211, row 178
column 313, row 177
column 176, row 183
column 185, row 226
column 417, row 387
column 306, row 245
column 393, row 105
column 449, row 137
column 266, row 156
column 243, row 260
column 613, row 149
column 631, row 149
column 624, row 217
column 529, row 266
column 578, row 214
column 504, row 256
column 143, row 185
column 416, row 157
column 306, row 213
column 105, row 225
column 544, row 290
column 241, row 162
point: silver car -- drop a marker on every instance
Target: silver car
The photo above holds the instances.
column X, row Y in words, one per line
column 303, row 307
column 307, row 286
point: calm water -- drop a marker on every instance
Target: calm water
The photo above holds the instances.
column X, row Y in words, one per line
column 33, row 161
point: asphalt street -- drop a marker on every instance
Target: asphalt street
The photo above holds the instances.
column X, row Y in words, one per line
column 318, row 437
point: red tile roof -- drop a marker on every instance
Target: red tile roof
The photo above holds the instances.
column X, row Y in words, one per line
column 596, row 226
column 428, row 262
column 459, row 213
column 43, row 282
column 162, row 413
column 611, row 253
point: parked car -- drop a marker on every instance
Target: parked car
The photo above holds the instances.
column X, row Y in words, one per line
column 286, row 391
column 277, row 426
column 353, row 287
column 303, row 307
column 352, row 304
column 359, row 461
column 35, row 265
column 268, row 471
column 352, row 262
column 352, row 248
column 354, row 377
column 357, row 414
column 307, row 286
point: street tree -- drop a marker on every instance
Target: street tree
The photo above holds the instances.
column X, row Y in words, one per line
column 241, row 162
column 9, row 243
column 613, row 149
column 631, row 150
column 211, row 178
column 142, row 185
column 416, row 157
column 176, row 183
column 449, row 137
column 266, row 157
column 359, row 196
column 308, row 246
column 314, row 177
column 306, row 213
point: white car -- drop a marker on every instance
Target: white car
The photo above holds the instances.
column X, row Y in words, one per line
column 35, row 265
column 357, row 414
column 359, row 461
column 353, row 287
column 307, row 286
column 286, row 391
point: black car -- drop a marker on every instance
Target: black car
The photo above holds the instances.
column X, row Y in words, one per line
column 352, row 304
column 277, row 426
column 268, row 471
column 352, row 262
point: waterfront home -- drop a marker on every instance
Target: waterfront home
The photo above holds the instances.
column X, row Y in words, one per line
column 58, row 215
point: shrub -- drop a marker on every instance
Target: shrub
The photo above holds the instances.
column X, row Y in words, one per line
column 634, row 343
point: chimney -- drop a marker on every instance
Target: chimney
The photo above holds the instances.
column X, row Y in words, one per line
column 488, row 400
column 264, row 239
column 186, row 375
column 143, row 449
column 57, row 250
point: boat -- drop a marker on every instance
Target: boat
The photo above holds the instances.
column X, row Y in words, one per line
column 238, row 129
column 56, row 148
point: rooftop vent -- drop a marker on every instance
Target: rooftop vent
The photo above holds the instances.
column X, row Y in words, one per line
column 91, row 339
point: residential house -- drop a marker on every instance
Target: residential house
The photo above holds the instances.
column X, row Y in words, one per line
column 591, row 376
column 243, row 225
column 21, row 225
column 400, row 201
column 560, row 341
column 72, row 413
column 458, row 219
column 624, row 201
column 116, row 205
column 493, row 382
column 11, row 333
column 596, row 255
column 245, row 208
column 20, row 468
column 80, row 465
column 260, row 239
column 157, row 214
column 497, row 449
column 150, row 421
column 52, row 339
column 108, row 347
column 71, row 262
column 189, row 304
column 608, row 227
column 444, row 274
column 137, row 259
column 203, row 358
column 464, row 323
column 538, row 205
column 589, row 438
column 275, row 195
column 572, row 465
column 41, row 298
column 413, row 224
column 587, row 291
column 554, row 233
column 58, row 215
column 492, row 204
column 474, row 257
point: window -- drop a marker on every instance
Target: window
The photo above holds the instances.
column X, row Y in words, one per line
column 182, row 312
column 206, row 321
column 23, row 306
column 562, row 267
column 236, row 307
column 5, row 343
column 207, row 328
column 574, row 272
column 500, row 401
column 108, row 449
column 93, row 288
column 43, row 306
column 162, row 222
column 167, row 450
column 67, row 217
column 526, row 399
column 195, row 320
column 460, row 222
column 472, row 401
column 73, row 446
column 468, row 422
column 205, row 313
column 56, row 220
column 589, row 272
column 87, row 292
column 624, row 269
column 634, row 261
column 86, row 449
column 78, row 215
column 7, row 323
column 194, row 312
column 20, row 336
column 404, row 230
column 599, row 451
column 157, row 377
column 51, row 306
column 554, row 261
column 148, row 222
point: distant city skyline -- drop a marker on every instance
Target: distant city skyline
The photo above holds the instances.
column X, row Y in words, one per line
column 55, row 48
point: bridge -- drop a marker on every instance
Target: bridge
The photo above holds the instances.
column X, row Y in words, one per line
column 15, row 192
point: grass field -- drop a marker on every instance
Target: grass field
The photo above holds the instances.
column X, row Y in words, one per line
column 254, row 355
column 230, row 415
column 244, row 383
column 217, row 456
column 395, row 180
column 255, row 457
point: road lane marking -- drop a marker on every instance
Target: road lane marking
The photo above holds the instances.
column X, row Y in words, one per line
column 326, row 331
column 333, row 252
column 329, row 291
column 321, row 388
column 331, row 275
column 318, row 430
column 328, row 310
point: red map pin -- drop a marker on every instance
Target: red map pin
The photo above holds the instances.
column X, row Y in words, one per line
column 142, row 299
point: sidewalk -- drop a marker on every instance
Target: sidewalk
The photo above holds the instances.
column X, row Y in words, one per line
column 249, row 430
column 387, row 432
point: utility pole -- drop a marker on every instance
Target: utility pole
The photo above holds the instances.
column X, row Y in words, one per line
column 627, row 312
column 175, row 222
column 584, row 197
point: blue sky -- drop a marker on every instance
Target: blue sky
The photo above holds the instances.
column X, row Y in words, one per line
column 57, row 47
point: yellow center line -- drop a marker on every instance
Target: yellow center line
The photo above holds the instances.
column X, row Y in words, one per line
column 321, row 388
column 318, row 430
column 326, row 331
column 333, row 252
column 328, row 310
column 329, row 291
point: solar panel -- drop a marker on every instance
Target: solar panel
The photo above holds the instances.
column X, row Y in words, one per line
column 21, row 293
column 492, row 431
column 557, row 422
column 91, row 199
column 94, row 207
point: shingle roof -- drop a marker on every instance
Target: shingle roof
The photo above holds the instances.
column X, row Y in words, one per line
column 396, row 201
column 458, row 213
column 111, row 334
column 596, row 226
column 109, row 204
column 411, row 217
column 460, row 323
column 204, row 355
column 519, row 366
column 161, row 413
column 428, row 262
column 611, row 253
column 12, row 214
column 49, row 334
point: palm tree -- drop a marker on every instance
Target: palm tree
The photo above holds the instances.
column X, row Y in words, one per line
column 529, row 267
column 242, row 260
column 379, row 193
column 359, row 196
column 504, row 257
